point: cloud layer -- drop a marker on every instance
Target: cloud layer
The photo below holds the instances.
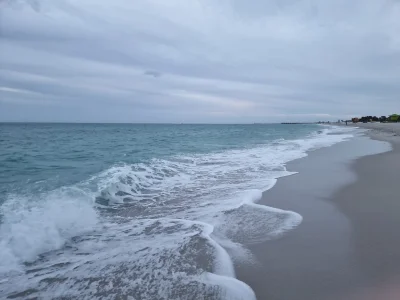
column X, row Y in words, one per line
column 229, row 61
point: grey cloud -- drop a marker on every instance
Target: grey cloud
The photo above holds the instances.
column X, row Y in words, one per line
column 201, row 61
column 154, row 74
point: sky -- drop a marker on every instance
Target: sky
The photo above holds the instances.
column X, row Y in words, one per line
column 198, row 61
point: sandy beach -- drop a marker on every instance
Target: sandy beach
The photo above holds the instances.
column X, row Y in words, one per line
column 347, row 246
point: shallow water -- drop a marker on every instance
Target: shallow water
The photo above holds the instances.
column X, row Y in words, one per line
column 141, row 211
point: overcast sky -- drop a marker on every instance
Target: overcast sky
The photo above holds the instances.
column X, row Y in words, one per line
column 225, row 61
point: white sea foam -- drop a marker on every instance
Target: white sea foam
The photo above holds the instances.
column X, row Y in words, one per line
column 33, row 226
column 146, row 259
column 251, row 223
column 175, row 227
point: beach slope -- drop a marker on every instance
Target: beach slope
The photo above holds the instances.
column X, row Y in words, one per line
column 348, row 246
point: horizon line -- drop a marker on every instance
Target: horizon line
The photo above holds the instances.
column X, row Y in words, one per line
column 156, row 123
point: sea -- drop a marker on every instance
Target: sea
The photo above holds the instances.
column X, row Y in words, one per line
column 141, row 211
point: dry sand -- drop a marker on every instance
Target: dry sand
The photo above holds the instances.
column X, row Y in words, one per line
column 348, row 246
column 381, row 128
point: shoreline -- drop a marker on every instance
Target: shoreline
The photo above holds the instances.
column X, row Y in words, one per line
column 324, row 257
column 375, row 216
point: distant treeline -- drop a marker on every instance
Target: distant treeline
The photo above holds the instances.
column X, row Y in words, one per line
column 383, row 119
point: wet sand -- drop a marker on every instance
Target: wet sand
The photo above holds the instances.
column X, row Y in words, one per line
column 348, row 246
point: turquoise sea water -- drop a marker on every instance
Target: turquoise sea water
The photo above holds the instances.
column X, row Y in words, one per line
column 64, row 154
column 148, row 211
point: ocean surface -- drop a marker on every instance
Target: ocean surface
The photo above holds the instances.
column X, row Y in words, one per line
column 123, row 211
